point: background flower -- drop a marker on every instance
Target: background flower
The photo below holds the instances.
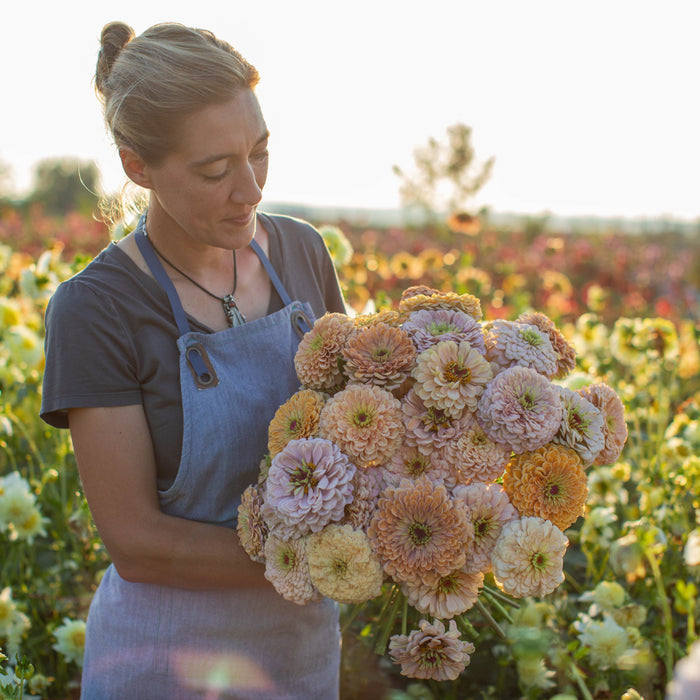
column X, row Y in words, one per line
column 70, row 640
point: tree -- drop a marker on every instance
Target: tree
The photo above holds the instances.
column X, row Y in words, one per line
column 447, row 175
column 62, row 185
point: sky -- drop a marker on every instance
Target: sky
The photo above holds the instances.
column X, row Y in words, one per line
column 589, row 108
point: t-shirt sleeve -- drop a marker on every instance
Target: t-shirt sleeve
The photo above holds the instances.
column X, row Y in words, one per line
column 90, row 359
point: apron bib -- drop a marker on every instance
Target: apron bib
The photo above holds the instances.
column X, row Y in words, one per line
column 160, row 642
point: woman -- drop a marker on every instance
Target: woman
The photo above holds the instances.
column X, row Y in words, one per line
column 167, row 357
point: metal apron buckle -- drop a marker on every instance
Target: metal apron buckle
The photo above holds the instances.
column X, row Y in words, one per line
column 202, row 370
column 300, row 322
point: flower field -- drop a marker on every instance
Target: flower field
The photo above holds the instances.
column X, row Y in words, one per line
column 626, row 612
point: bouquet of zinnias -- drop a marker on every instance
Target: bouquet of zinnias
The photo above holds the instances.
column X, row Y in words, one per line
column 425, row 449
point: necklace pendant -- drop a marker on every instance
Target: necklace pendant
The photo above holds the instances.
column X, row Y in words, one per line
column 233, row 313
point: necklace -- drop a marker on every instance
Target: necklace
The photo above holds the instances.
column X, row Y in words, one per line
column 234, row 316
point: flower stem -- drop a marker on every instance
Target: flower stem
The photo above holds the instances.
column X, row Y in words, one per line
column 576, row 673
column 501, row 596
column 489, row 618
column 396, row 599
column 498, row 606
column 665, row 611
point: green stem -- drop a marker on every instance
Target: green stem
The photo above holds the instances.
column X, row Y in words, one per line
column 466, row 626
column 396, row 598
column 498, row 606
column 665, row 611
column 501, row 596
column 576, row 673
column 489, row 618
column 351, row 617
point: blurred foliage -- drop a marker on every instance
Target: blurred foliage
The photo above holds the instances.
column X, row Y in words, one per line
column 63, row 185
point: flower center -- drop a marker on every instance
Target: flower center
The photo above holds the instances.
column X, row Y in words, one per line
column 302, row 479
column 576, row 421
column 553, row 491
column 457, row 373
column 363, row 417
column 440, row 327
column 432, row 654
column 419, row 533
column 293, row 425
column 380, row 354
column 538, row 561
column 436, row 418
column 287, row 559
column 340, row 567
column 317, row 342
column 417, row 465
column 532, row 337
column 447, row 584
column 481, row 527
column 527, row 400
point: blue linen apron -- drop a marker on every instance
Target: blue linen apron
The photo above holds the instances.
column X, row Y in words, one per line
column 155, row 642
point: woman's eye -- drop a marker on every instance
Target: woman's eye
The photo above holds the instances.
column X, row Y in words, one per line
column 261, row 155
column 215, row 178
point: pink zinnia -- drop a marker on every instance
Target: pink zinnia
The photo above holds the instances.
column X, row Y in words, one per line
column 511, row 344
column 474, row 457
column 606, row 400
column 428, row 327
column 308, row 485
column 520, row 408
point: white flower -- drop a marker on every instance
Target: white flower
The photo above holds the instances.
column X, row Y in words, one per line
column 691, row 552
column 606, row 641
column 686, row 677
column 70, row 640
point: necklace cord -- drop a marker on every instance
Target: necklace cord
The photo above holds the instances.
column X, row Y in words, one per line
column 233, row 313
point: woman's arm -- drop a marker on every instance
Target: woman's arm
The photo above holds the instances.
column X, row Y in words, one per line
column 117, row 467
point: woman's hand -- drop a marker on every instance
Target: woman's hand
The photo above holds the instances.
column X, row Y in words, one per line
column 117, row 467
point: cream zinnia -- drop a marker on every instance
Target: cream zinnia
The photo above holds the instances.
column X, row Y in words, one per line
column 287, row 569
column 528, row 557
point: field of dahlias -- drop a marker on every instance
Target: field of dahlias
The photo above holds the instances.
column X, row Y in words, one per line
column 626, row 613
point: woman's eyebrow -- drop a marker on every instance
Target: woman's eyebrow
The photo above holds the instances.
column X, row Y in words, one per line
column 222, row 156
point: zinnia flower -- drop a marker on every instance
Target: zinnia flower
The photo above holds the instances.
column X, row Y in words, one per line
column 410, row 463
column 287, row 569
column 581, row 427
column 444, row 596
column 429, row 428
column 70, row 640
column 475, row 457
column 431, row 652
column 308, row 486
column 489, row 510
column 606, row 400
column 365, row 422
column 548, row 483
column 417, row 529
column 342, row 566
column 428, row 327
column 381, row 355
column 565, row 352
column 296, row 418
column 318, row 357
column 520, row 408
column 528, row 558
column 367, row 485
column 451, row 376
column 391, row 317
column 467, row 303
column 251, row 527
column 513, row 344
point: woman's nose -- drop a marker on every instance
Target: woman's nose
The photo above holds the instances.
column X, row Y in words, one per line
column 245, row 189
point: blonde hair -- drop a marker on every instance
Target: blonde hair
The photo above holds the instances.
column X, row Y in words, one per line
column 148, row 84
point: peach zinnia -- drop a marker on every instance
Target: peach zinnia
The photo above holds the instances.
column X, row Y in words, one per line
column 317, row 360
column 549, row 483
column 296, row 418
column 444, row 596
column 442, row 300
column 417, row 529
column 365, row 422
column 606, row 400
column 381, row 355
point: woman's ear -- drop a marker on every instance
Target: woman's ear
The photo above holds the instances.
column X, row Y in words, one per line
column 135, row 167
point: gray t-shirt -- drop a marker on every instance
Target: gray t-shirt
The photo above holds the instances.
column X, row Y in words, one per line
column 111, row 339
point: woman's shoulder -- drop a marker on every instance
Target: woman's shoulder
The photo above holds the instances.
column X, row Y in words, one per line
column 291, row 227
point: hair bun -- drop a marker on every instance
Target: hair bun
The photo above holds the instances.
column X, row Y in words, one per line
column 115, row 36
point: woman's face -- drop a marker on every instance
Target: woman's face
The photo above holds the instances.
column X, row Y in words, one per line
column 209, row 187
